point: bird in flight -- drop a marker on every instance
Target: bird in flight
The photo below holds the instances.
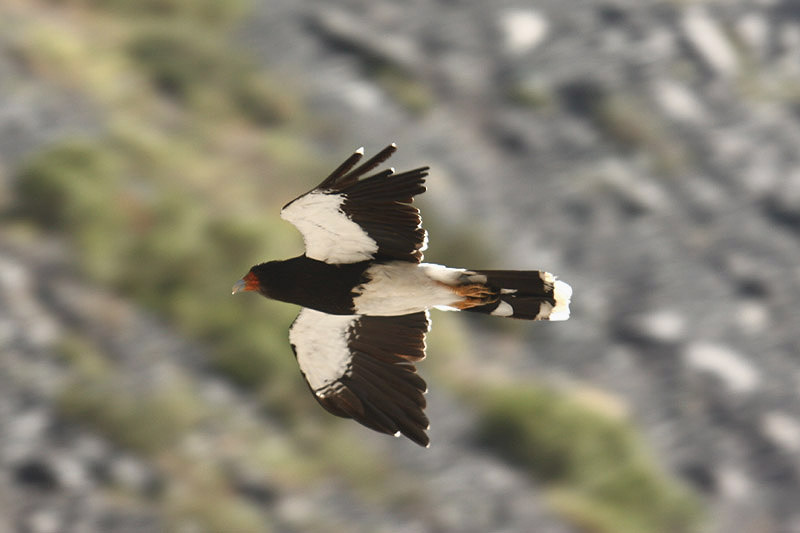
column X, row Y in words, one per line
column 365, row 294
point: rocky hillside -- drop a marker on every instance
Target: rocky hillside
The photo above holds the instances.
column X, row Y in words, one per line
column 644, row 151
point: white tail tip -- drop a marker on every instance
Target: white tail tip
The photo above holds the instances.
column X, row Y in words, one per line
column 562, row 293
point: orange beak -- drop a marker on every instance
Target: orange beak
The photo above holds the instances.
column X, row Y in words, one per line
column 247, row 283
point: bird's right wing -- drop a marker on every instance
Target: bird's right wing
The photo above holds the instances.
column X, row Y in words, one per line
column 362, row 367
column 346, row 219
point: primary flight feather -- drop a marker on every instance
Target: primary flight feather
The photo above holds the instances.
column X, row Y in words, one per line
column 365, row 294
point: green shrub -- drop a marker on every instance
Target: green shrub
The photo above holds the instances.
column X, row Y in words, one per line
column 74, row 188
column 202, row 71
column 264, row 102
column 178, row 61
column 598, row 468
column 163, row 249
column 67, row 185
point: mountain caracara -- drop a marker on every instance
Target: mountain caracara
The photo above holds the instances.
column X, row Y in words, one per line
column 365, row 294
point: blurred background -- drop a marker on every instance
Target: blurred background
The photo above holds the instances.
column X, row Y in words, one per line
column 644, row 151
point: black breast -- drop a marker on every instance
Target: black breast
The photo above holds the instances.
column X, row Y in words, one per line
column 312, row 283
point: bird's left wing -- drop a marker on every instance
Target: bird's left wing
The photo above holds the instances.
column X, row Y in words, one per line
column 362, row 367
column 346, row 219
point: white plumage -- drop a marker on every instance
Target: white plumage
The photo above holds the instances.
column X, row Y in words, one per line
column 325, row 356
column 328, row 233
column 562, row 294
column 400, row 288
column 503, row 309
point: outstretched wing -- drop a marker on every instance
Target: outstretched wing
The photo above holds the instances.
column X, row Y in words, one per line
column 362, row 367
column 346, row 219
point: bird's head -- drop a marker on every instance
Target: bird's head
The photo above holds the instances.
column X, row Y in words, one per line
column 248, row 283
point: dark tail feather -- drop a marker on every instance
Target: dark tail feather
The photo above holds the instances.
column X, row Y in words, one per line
column 525, row 294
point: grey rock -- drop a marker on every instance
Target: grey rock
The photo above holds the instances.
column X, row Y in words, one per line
column 678, row 102
column 522, row 30
column 665, row 326
column 709, row 41
column 783, row 430
column 37, row 473
column 783, row 203
column 131, row 474
column 732, row 368
column 754, row 30
column 350, row 31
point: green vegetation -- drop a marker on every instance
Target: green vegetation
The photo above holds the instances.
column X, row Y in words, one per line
column 68, row 186
column 146, row 202
column 404, row 88
column 178, row 62
column 160, row 248
column 599, row 474
column 185, row 64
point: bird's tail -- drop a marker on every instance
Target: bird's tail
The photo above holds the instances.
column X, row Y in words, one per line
column 525, row 294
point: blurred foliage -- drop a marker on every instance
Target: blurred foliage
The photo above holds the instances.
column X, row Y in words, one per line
column 208, row 12
column 405, row 88
column 67, row 186
column 160, row 248
column 180, row 61
column 601, row 476
column 130, row 199
column 185, row 64
column 146, row 421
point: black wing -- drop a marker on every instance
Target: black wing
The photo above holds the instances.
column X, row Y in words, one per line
column 347, row 219
column 362, row 367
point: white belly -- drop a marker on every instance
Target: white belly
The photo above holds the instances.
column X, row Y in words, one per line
column 400, row 288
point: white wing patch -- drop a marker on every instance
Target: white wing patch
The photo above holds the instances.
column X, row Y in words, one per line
column 320, row 342
column 329, row 235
